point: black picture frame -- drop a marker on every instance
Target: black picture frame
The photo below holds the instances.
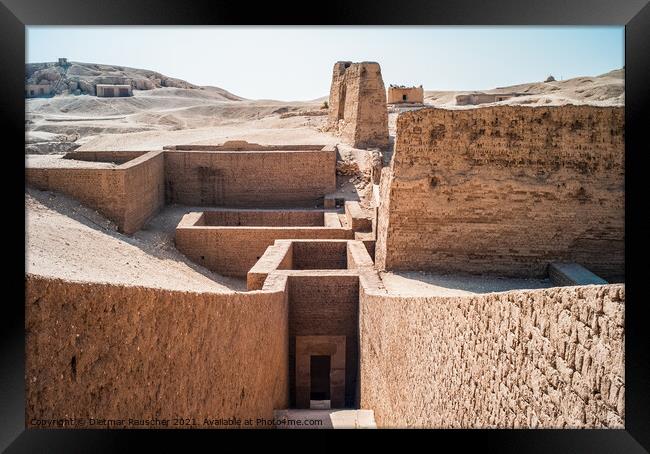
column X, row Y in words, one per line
column 15, row 15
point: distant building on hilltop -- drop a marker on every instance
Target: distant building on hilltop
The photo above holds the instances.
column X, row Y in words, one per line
column 38, row 90
column 113, row 91
column 483, row 98
column 399, row 94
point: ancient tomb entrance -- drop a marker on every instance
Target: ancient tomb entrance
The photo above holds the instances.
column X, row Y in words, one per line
column 320, row 371
column 322, row 278
column 323, row 321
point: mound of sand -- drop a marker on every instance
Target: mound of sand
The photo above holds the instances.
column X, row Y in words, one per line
column 605, row 90
column 159, row 110
column 65, row 239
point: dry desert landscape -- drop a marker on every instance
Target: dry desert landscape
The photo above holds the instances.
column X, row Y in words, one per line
column 450, row 261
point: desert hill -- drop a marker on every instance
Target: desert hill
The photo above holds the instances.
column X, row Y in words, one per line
column 80, row 78
column 606, row 89
column 170, row 110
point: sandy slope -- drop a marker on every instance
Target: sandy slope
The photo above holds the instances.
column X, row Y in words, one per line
column 159, row 111
column 605, row 90
column 66, row 240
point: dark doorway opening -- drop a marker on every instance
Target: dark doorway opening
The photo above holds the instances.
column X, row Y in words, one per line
column 403, row 97
column 320, row 377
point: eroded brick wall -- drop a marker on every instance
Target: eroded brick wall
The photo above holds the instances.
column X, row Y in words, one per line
column 129, row 194
column 396, row 95
column 505, row 190
column 325, row 304
column 144, row 190
column 116, row 352
column 250, row 178
column 551, row 358
column 265, row 218
column 357, row 104
column 232, row 251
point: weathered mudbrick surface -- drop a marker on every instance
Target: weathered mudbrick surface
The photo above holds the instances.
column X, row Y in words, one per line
column 505, row 190
column 250, row 178
column 325, row 303
column 129, row 194
column 115, row 352
column 401, row 95
column 232, row 250
column 248, row 175
column 357, row 104
column 551, row 358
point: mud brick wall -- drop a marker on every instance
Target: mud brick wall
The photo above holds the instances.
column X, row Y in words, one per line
column 319, row 255
column 100, row 189
column 413, row 95
column 325, row 304
column 357, row 104
column 505, row 190
column 232, row 251
column 268, row 218
column 250, row 178
column 116, row 352
column 551, row 358
column 129, row 194
column 144, row 190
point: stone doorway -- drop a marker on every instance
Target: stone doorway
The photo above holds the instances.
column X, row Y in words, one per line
column 320, row 371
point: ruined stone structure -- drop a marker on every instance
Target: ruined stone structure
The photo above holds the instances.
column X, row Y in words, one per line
column 323, row 296
column 141, row 183
column 214, row 238
column 483, row 98
column 357, row 104
column 399, row 94
column 283, row 176
column 505, row 190
column 113, row 91
column 37, row 90
column 500, row 190
column 129, row 193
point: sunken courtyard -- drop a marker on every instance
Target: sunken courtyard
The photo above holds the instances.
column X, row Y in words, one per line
column 480, row 284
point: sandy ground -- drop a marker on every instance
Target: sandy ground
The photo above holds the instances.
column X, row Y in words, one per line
column 57, row 161
column 166, row 116
column 66, row 240
column 417, row 283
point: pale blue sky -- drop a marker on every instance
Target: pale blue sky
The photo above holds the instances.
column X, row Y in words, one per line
column 295, row 63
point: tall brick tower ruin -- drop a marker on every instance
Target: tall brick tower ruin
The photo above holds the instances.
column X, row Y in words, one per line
column 357, row 105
